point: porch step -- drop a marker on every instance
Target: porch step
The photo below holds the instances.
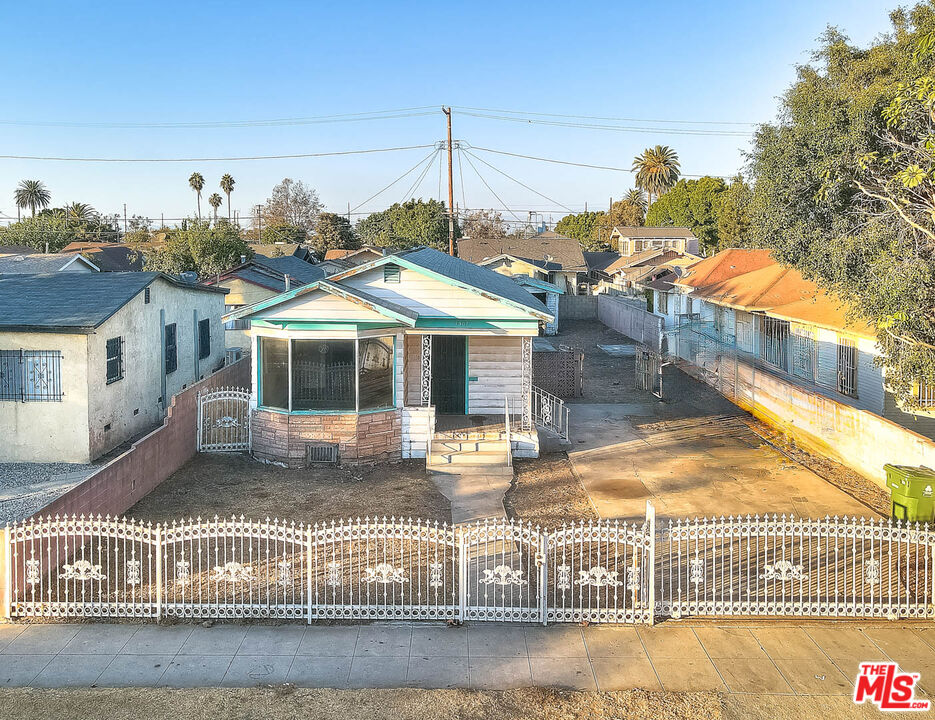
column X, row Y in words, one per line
column 501, row 470
column 473, row 445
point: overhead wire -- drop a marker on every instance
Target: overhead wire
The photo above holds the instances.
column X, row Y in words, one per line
column 492, row 191
column 421, row 177
column 387, row 187
column 617, row 128
column 518, row 182
column 604, row 117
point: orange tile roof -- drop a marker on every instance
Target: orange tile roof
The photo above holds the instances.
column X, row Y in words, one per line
column 753, row 281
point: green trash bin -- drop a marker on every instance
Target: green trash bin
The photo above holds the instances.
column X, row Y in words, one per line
column 912, row 492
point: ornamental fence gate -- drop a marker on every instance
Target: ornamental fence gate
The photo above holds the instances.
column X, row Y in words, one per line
column 396, row 569
column 224, row 420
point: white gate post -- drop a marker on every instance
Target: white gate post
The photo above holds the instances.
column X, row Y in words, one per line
column 462, row 575
column 544, row 577
column 156, row 538
column 308, row 573
column 651, row 552
column 200, row 420
column 6, row 565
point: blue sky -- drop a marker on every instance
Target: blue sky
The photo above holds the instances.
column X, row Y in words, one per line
column 174, row 62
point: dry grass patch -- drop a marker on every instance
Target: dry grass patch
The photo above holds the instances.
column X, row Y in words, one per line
column 226, row 485
column 546, row 492
column 282, row 703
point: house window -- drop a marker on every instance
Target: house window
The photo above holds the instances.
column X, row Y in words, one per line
column 663, row 299
column 274, row 373
column 171, row 349
column 327, row 375
column 803, row 354
column 114, row 360
column 774, row 342
column 391, row 273
column 31, row 375
column 847, row 367
column 648, row 294
column 146, row 296
column 240, row 324
column 204, row 338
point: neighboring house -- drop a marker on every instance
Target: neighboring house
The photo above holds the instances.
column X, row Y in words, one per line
column 339, row 260
column 597, row 264
column 256, row 280
column 363, row 361
column 36, row 263
column 111, row 257
column 282, row 249
column 744, row 304
column 89, row 360
column 548, row 256
column 633, row 240
column 630, row 275
column 546, row 293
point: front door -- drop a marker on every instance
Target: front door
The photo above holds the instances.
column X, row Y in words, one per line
column 449, row 353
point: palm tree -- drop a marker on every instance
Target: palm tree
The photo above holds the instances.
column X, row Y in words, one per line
column 636, row 198
column 215, row 201
column 227, row 185
column 80, row 211
column 32, row 194
column 657, row 169
column 197, row 183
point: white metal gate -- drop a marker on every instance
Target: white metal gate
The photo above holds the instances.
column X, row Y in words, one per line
column 224, row 420
column 649, row 370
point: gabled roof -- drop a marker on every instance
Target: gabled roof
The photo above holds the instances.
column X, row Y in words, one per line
column 298, row 270
column 751, row 280
column 73, row 302
column 600, row 260
column 547, row 250
column 36, row 263
column 342, row 254
column 526, row 280
column 426, row 261
column 110, row 257
column 650, row 233
column 644, row 257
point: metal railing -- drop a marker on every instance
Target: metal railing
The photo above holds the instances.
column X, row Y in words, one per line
column 550, row 412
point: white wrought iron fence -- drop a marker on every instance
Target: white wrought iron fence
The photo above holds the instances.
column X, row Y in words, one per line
column 786, row 566
column 550, row 412
column 404, row 569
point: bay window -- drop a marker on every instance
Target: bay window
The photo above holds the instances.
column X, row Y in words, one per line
column 327, row 375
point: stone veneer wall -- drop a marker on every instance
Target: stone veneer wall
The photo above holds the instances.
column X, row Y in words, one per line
column 365, row 438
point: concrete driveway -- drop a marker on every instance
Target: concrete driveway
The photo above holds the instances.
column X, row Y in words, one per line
column 692, row 455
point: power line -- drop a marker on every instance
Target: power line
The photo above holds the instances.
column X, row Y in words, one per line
column 419, row 111
column 617, row 128
column 384, row 189
column 215, row 159
column 487, row 185
column 421, row 177
column 576, row 164
column 470, row 154
column 601, row 117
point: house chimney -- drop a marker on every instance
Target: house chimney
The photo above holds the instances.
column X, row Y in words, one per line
column 288, row 283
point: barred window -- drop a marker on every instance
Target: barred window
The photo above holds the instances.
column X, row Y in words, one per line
column 926, row 394
column 171, row 349
column 663, row 303
column 31, row 375
column 114, row 360
column 235, row 324
column 803, row 354
column 204, row 338
column 847, row 367
column 774, row 342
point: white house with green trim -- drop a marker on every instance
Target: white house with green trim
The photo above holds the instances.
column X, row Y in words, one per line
column 373, row 362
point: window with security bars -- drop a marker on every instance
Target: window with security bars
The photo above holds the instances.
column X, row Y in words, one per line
column 239, row 324
column 847, row 367
column 114, row 360
column 31, row 375
column 171, row 349
column 803, row 355
column 204, row 338
column 926, row 396
column 774, row 342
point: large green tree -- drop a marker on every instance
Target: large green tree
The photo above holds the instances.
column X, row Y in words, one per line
column 200, row 246
column 408, row 224
column 196, row 182
column 227, row 186
column 57, row 227
column 733, row 215
column 32, row 194
column 657, row 170
column 586, row 228
column 693, row 204
column 333, row 231
column 834, row 179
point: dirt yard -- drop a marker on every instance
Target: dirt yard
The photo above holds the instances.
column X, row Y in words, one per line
column 546, row 492
column 286, row 702
column 225, row 485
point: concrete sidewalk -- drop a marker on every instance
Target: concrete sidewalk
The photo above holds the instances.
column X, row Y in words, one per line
column 768, row 659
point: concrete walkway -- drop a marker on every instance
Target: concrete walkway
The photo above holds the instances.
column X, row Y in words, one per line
column 473, row 495
column 769, row 659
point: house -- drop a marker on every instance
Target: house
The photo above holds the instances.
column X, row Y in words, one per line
column 280, row 249
column 338, row 260
column 632, row 240
column 111, row 257
column 36, row 263
column 256, row 280
column 548, row 256
column 630, row 275
column 89, row 360
column 743, row 304
column 364, row 362
column 597, row 264
column 548, row 294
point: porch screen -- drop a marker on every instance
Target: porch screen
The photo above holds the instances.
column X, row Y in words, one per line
column 274, row 373
column 375, row 363
column 323, row 375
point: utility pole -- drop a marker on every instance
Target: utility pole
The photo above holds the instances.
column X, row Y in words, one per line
column 124, row 218
column 451, row 191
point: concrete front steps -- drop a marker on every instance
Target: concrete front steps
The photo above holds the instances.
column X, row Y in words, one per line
column 483, row 453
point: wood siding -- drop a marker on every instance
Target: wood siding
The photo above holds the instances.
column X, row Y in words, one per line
column 322, row 307
column 497, row 363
